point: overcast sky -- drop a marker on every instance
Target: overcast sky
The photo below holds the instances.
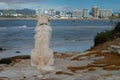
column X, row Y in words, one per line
column 60, row 4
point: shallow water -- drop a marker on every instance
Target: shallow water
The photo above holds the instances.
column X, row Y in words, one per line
column 67, row 35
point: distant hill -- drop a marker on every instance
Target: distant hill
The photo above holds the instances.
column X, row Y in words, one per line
column 23, row 11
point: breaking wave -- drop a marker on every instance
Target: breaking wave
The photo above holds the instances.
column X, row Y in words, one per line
column 17, row 27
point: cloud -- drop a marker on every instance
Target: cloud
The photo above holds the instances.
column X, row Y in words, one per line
column 3, row 5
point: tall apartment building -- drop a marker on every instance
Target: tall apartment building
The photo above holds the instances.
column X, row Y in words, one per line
column 50, row 12
column 63, row 14
column 42, row 11
column 39, row 11
column 104, row 13
column 85, row 13
column 1, row 13
column 95, row 11
column 77, row 13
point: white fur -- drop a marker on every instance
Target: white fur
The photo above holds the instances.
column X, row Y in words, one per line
column 42, row 55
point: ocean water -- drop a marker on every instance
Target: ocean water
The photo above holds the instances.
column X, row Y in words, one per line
column 67, row 35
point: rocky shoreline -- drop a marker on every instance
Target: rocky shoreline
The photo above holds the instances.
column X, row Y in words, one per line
column 89, row 65
column 98, row 63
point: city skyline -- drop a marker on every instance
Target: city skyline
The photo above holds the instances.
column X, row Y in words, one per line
column 61, row 4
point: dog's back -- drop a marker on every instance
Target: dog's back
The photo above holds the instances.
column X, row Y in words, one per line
column 42, row 55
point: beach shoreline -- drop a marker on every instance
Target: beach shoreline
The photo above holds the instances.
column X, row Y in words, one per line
column 50, row 19
column 88, row 65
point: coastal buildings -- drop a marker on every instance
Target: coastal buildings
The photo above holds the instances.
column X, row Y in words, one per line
column 69, row 14
column 95, row 11
column 39, row 11
column 17, row 12
column 77, row 14
column 62, row 14
column 105, row 13
column 1, row 14
column 9, row 12
column 52, row 12
column 86, row 13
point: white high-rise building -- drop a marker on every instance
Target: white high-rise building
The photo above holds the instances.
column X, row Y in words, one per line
column 49, row 12
column 46, row 11
column 77, row 13
column 85, row 13
column 39, row 11
column 1, row 14
column 104, row 13
column 63, row 14
column 42, row 11
column 52, row 12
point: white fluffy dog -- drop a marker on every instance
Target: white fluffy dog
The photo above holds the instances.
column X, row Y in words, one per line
column 42, row 55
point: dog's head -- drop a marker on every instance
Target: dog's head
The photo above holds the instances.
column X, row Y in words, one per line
column 43, row 19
